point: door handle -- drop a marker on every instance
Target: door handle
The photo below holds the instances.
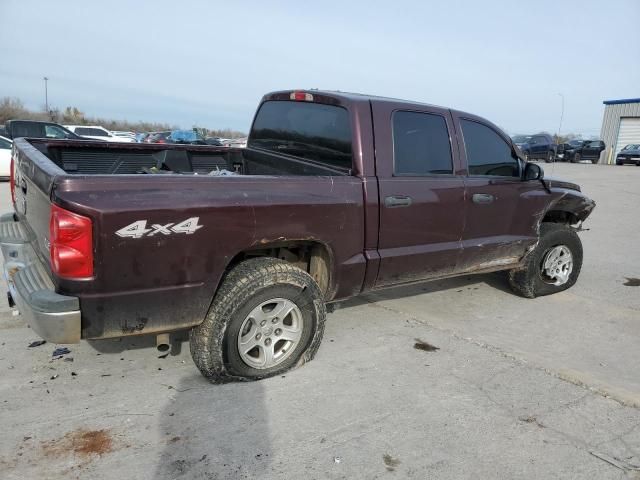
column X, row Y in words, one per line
column 397, row 201
column 482, row 198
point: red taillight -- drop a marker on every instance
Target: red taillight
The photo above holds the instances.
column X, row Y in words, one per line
column 71, row 244
column 12, row 180
column 301, row 96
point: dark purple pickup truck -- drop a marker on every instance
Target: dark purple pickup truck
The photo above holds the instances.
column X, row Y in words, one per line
column 336, row 194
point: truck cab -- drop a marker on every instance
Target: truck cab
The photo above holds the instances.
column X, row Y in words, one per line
column 37, row 129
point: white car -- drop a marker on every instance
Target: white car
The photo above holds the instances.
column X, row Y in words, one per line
column 97, row 133
column 122, row 134
column 5, row 157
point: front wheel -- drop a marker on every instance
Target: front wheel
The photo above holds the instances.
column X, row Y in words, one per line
column 552, row 266
column 550, row 157
column 576, row 158
column 267, row 317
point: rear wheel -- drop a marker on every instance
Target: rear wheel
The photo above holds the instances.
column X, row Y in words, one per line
column 552, row 266
column 551, row 156
column 576, row 158
column 267, row 317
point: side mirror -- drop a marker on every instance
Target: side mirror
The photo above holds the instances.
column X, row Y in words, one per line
column 532, row 171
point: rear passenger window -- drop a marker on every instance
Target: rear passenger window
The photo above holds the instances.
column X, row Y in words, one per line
column 51, row 131
column 313, row 131
column 421, row 144
column 487, row 152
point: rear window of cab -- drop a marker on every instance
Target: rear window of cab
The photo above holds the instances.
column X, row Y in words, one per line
column 312, row 131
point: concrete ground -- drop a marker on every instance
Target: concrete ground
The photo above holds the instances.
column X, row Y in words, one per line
column 544, row 388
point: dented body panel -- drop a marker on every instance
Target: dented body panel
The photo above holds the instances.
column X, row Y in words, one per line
column 163, row 243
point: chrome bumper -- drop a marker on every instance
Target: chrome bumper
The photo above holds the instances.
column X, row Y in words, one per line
column 54, row 317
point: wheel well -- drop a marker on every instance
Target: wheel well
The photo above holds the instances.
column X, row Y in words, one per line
column 312, row 257
column 560, row 216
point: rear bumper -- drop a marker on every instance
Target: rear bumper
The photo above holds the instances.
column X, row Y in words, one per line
column 54, row 317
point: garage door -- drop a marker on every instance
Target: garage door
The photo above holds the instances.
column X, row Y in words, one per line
column 629, row 132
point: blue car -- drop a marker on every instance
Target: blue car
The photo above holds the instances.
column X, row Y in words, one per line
column 537, row 147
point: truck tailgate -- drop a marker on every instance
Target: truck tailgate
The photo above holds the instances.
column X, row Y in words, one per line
column 34, row 175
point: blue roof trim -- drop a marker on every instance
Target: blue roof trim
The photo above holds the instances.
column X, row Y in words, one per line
column 624, row 100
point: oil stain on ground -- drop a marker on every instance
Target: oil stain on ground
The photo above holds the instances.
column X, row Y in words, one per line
column 424, row 346
column 632, row 282
column 390, row 463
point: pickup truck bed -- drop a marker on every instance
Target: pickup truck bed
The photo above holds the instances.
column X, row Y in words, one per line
column 337, row 194
column 138, row 279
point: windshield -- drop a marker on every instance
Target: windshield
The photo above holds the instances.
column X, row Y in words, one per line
column 575, row 143
column 312, row 131
column 634, row 146
column 521, row 138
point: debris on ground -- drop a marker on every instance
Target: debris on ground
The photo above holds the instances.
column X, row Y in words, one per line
column 531, row 419
column 37, row 343
column 68, row 359
column 424, row 346
column 390, row 462
column 337, row 459
column 53, row 377
column 58, row 352
column 632, row 282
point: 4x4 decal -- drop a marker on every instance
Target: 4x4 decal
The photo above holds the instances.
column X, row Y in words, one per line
column 138, row 229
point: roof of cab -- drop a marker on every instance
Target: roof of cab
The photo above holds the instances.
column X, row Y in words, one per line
column 351, row 96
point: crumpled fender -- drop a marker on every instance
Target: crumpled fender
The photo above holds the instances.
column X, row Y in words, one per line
column 573, row 202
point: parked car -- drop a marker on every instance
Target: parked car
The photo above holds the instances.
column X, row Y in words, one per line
column 217, row 141
column 629, row 154
column 237, row 142
column 36, row 129
column 141, row 137
column 3, row 131
column 157, row 137
column 186, row 137
column 587, row 150
column 537, row 147
column 5, row 157
column 121, row 134
column 565, row 150
column 310, row 212
column 97, row 132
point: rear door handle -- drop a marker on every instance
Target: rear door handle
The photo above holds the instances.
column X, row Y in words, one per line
column 482, row 198
column 397, row 201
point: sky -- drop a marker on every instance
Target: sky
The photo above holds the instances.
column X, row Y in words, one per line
column 208, row 63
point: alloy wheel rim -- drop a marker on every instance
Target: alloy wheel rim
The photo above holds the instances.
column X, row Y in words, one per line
column 557, row 265
column 270, row 333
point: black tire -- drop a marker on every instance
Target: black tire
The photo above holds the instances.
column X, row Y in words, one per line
column 528, row 281
column 576, row 158
column 595, row 160
column 550, row 157
column 214, row 346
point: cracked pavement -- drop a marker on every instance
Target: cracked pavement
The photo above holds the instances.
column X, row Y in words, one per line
column 544, row 388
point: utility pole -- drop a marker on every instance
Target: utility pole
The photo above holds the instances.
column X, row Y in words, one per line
column 561, row 115
column 46, row 95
